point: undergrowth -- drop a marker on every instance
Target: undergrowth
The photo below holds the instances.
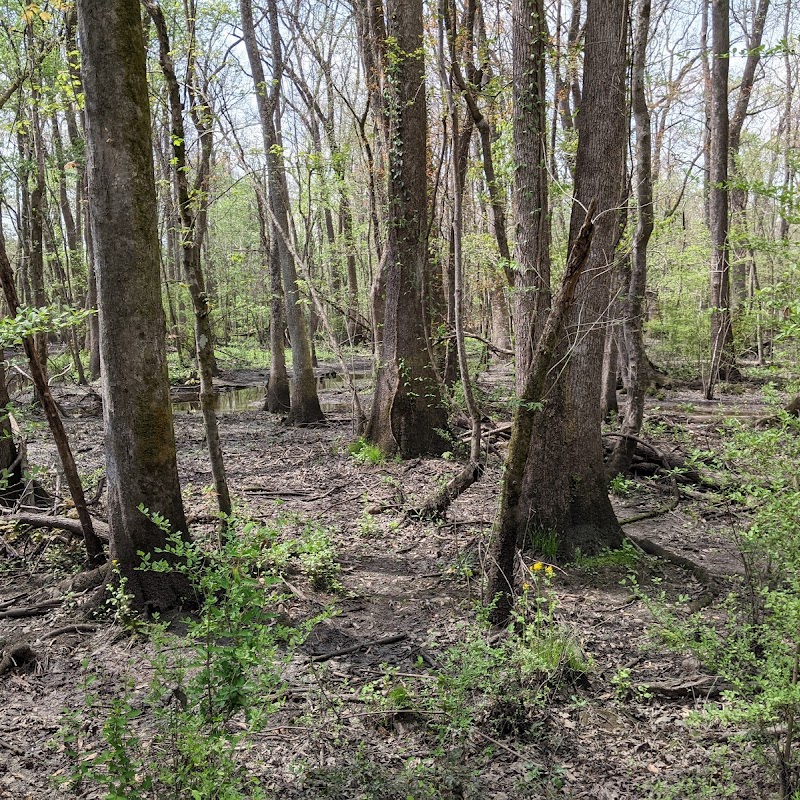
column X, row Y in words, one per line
column 216, row 677
column 753, row 643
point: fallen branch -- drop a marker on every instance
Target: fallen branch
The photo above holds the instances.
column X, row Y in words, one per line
column 22, row 612
column 320, row 657
column 72, row 526
column 500, row 351
column 706, row 686
column 435, row 507
column 74, row 628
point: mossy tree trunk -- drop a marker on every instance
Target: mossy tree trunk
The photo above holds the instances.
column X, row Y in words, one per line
column 407, row 417
column 140, row 441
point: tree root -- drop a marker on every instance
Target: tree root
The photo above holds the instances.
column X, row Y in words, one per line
column 76, row 627
column 711, row 587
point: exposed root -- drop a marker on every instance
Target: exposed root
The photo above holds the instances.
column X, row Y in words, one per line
column 711, row 589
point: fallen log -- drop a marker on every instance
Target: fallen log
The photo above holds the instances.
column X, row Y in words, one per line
column 72, row 526
column 435, row 507
column 320, row 657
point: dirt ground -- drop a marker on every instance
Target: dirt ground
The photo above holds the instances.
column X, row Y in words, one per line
column 415, row 583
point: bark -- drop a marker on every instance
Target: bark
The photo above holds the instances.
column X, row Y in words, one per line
column 622, row 456
column 503, row 546
column 608, row 392
column 192, row 207
column 304, row 402
column 470, row 87
column 38, row 198
column 723, row 363
column 277, row 400
column 531, row 214
column 407, row 412
column 140, row 440
column 789, row 133
column 563, row 500
column 457, row 174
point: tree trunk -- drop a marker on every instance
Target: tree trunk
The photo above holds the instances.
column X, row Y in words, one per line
column 304, row 402
column 407, row 413
column 193, row 215
column 140, row 440
column 562, row 501
column 633, row 321
column 277, row 400
column 723, row 363
column 738, row 195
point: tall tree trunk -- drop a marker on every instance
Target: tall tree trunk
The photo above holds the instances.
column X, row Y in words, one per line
column 532, row 288
column 38, row 207
column 458, row 151
column 738, row 194
column 559, row 501
column 305, row 408
column 723, row 363
column 193, row 216
column 140, row 440
column 633, row 321
column 278, row 397
column 407, row 412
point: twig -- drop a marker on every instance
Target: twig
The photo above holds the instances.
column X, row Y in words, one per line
column 320, row 657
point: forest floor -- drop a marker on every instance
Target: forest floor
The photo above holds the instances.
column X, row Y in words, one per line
column 408, row 599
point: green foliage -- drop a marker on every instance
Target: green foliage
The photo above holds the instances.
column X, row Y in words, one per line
column 505, row 682
column 365, row 452
column 214, row 685
column 621, row 486
column 30, row 321
column 755, row 646
column 626, row 556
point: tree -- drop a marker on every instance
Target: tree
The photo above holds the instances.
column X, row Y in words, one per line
column 193, row 209
column 722, row 355
column 633, row 337
column 554, row 490
column 304, row 401
column 140, row 441
column 407, row 413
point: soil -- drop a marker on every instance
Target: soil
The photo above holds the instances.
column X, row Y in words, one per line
column 413, row 586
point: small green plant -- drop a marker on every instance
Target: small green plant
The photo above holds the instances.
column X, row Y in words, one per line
column 365, row 452
column 754, row 646
column 542, row 541
column 621, row 486
column 627, row 557
column 226, row 665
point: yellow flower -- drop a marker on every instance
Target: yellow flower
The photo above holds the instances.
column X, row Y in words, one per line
column 538, row 566
column 526, row 586
column 549, row 571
